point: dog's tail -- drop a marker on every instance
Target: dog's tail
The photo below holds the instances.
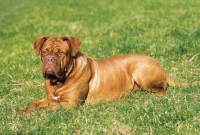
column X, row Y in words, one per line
column 172, row 82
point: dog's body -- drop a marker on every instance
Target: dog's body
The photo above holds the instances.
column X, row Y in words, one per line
column 72, row 78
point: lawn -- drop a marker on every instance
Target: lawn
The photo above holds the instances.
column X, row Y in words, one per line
column 168, row 31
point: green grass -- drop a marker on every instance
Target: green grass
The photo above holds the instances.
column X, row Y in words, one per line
column 168, row 31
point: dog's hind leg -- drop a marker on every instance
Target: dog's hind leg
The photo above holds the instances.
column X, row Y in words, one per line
column 158, row 90
column 136, row 87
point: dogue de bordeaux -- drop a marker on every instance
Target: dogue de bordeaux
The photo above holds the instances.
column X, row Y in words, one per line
column 72, row 78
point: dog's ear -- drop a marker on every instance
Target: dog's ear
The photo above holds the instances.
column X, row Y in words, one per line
column 38, row 44
column 74, row 43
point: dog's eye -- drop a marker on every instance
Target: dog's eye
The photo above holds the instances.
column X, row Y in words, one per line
column 45, row 52
column 61, row 54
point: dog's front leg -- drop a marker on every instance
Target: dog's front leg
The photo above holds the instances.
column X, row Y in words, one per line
column 44, row 103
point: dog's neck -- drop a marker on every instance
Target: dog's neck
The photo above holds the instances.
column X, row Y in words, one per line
column 69, row 68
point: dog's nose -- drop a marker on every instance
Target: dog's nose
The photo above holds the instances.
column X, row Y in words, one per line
column 50, row 60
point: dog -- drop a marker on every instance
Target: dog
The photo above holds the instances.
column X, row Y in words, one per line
column 72, row 78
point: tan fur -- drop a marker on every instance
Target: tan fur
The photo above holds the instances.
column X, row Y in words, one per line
column 72, row 78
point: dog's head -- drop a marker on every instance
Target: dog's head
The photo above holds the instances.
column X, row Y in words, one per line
column 56, row 55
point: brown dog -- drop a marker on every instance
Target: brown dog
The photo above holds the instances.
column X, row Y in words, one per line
column 72, row 78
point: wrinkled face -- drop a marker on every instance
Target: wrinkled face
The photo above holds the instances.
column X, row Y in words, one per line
column 55, row 58
column 56, row 55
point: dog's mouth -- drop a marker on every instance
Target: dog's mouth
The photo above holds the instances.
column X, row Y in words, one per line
column 49, row 73
column 50, row 76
